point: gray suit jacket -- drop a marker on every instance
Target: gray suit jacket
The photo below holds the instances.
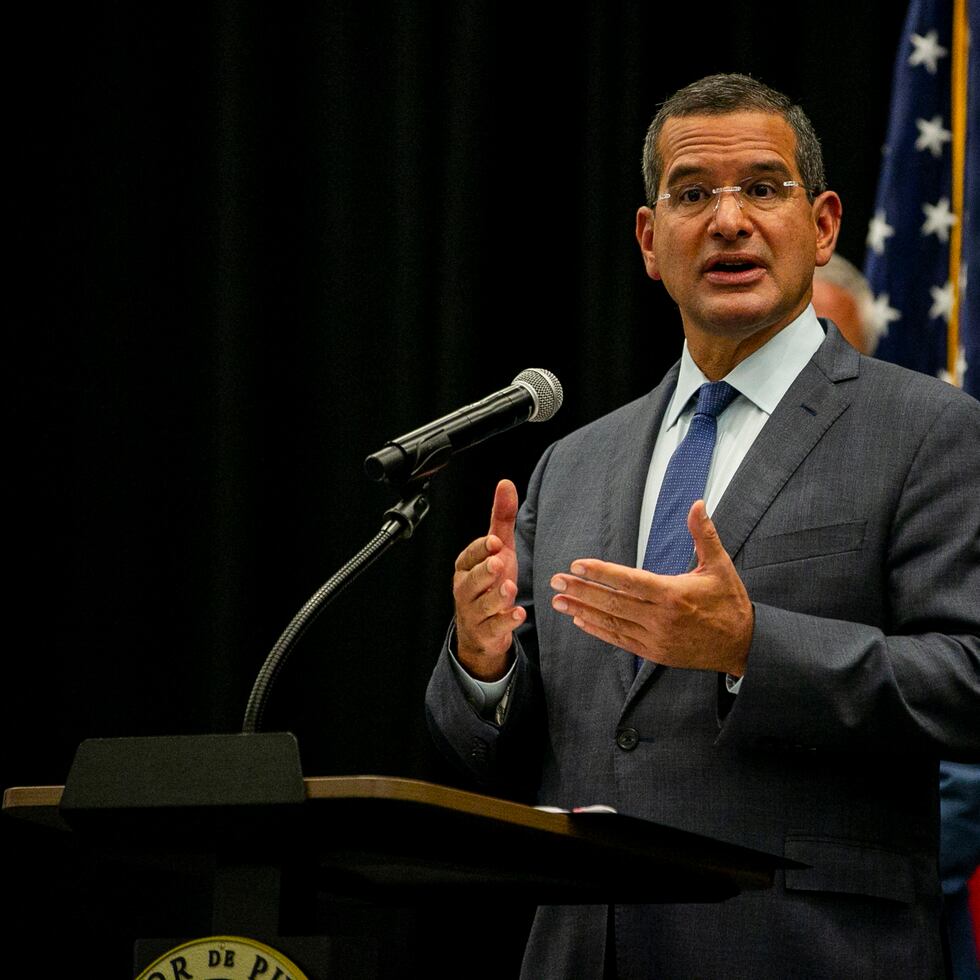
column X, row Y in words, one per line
column 854, row 521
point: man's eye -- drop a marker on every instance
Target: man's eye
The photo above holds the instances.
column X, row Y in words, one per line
column 692, row 195
column 762, row 190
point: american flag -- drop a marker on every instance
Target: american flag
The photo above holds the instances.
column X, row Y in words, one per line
column 923, row 244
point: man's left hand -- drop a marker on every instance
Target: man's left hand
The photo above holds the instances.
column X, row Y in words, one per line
column 701, row 620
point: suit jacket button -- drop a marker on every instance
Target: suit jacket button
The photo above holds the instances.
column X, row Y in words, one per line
column 627, row 739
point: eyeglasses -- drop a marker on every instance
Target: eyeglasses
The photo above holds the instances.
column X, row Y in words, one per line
column 762, row 193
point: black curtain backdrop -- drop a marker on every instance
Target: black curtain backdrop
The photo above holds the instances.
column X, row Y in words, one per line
column 251, row 243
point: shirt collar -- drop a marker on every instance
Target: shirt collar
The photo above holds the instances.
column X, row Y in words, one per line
column 764, row 376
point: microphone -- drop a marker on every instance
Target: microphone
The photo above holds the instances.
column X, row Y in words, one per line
column 533, row 396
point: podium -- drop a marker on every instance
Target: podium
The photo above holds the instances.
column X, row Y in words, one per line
column 274, row 852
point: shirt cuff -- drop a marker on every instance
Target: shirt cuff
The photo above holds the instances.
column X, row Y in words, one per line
column 483, row 695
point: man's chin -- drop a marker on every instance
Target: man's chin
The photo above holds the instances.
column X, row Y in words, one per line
column 740, row 316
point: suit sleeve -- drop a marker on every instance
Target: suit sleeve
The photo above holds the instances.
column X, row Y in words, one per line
column 913, row 685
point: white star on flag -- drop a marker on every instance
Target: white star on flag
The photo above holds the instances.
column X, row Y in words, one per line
column 878, row 231
column 959, row 369
column 932, row 135
column 881, row 314
column 927, row 51
column 942, row 301
column 939, row 219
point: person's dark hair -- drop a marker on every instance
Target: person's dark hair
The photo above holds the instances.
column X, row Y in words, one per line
column 719, row 95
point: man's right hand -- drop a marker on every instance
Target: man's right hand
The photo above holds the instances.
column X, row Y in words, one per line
column 485, row 587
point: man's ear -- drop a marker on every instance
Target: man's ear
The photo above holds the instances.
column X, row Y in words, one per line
column 645, row 236
column 827, row 210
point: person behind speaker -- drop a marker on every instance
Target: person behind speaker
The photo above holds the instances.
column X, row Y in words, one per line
column 842, row 294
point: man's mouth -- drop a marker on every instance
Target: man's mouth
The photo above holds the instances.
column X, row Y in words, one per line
column 734, row 270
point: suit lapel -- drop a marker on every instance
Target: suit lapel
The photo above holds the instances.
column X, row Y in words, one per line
column 808, row 409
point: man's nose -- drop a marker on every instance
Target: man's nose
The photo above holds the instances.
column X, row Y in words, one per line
column 730, row 216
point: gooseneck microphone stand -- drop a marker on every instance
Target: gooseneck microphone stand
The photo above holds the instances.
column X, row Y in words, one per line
column 402, row 520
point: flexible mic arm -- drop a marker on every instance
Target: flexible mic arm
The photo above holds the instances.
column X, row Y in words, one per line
column 403, row 519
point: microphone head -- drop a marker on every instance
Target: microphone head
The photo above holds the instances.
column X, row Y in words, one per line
column 545, row 390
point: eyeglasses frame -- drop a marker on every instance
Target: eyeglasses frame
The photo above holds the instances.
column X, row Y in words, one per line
column 735, row 189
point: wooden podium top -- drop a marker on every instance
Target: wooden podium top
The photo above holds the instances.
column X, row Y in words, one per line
column 395, row 838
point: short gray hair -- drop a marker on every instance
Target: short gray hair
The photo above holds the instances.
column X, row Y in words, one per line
column 719, row 95
column 846, row 275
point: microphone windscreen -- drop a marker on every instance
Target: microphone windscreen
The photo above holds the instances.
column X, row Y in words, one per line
column 545, row 389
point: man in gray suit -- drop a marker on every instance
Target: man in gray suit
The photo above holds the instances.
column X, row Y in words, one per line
column 797, row 684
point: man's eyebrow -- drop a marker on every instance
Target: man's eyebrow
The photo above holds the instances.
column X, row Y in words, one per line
column 769, row 167
column 684, row 171
column 775, row 167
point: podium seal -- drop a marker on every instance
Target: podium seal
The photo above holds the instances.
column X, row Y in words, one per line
column 222, row 958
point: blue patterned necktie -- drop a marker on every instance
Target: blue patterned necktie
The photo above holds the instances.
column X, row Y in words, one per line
column 670, row 547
